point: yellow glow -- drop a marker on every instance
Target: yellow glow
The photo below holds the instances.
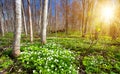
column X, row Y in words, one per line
column 107, row 13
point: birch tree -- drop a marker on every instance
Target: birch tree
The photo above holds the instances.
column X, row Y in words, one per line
column 2, row 25
column 24, row 19
column 17, row 31
column 44, row 22
column 30, row 21
column 2, row 19
column 40, row 18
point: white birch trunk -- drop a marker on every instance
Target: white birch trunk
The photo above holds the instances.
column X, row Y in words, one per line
column 24, row 20
column 17, row 31
column 44, row 22
column 2, row 20
column 40, row 19
column 2, row 25
column 30, row 21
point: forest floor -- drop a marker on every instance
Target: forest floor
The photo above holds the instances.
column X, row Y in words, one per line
column 73, row 55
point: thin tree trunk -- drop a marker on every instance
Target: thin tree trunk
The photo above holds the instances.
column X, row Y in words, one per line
column 40, row 19
column 56, row 17
column 44, row 22
column 24, row 19
column 85, row 28
column 17, row 31
column 2, row 25
column 66, row 18
column 83, row 17
column 5, row 21
column 2, row 20
column 12, row 18
column 35, row 16
column 30, row 21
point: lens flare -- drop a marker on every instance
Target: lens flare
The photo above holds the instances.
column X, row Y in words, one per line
column 107, row 14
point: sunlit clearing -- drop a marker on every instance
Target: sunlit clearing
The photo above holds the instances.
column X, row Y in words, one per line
column 107, row 14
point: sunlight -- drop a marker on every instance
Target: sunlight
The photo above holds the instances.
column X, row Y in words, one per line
column 107, row 13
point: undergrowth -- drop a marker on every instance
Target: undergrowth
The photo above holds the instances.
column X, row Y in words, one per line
column 63, row 56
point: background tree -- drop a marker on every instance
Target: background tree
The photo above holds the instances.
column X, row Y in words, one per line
column 30, row 21
column 2, row 18
column 24, row 19
column 40, row 18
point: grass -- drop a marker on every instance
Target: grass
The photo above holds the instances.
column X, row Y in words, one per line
column 97, row 56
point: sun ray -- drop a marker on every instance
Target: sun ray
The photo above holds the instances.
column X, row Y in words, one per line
column 107, row 13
